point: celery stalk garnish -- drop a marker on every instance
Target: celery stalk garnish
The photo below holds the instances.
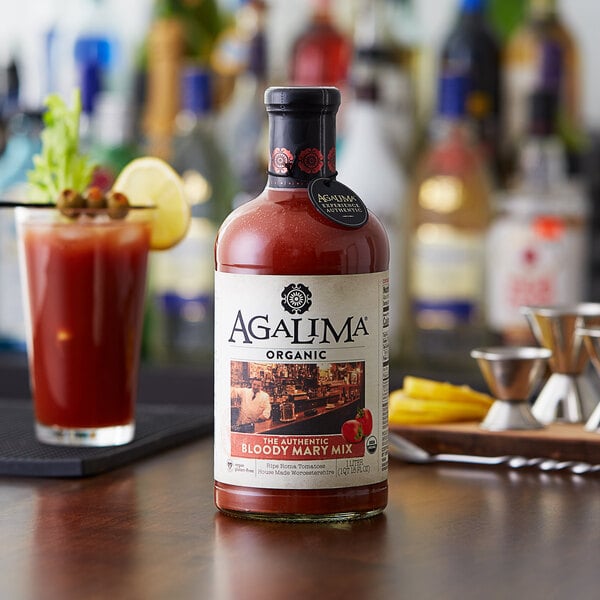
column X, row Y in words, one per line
column 60, row 165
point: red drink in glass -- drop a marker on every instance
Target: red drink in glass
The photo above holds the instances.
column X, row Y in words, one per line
column 84, row 283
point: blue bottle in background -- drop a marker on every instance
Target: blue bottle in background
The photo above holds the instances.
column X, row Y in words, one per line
column 472, row 50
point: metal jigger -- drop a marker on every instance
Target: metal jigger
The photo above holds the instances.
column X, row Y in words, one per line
column 568, row 395
column 512, row 374
column 591, row 340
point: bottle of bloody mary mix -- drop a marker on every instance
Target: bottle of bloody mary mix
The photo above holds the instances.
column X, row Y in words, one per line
column 301, row 319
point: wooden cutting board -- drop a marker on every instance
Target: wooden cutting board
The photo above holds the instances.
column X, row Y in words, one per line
column 559, row 441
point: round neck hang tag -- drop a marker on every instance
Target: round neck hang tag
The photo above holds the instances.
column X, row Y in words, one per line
column 337, row 202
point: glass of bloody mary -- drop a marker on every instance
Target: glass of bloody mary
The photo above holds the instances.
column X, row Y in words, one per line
column 83, row 283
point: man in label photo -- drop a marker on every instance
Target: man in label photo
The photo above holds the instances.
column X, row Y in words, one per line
column 255, row 404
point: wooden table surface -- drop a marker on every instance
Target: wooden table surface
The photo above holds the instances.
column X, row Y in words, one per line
column 150, row 530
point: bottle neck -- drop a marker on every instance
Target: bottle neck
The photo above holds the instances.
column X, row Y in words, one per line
column 301, row 147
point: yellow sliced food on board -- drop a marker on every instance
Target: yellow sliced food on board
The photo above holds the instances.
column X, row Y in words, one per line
column 150, row 181
column 414, row 411
column 419, row 387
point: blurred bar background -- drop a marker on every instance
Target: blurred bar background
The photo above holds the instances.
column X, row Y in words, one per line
column 470, row 127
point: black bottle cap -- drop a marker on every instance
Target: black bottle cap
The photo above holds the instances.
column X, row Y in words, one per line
column 302, row 138
column 304, row 98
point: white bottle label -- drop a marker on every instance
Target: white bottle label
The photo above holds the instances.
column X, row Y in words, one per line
column 537, row 262
column 447, row 271
column 301, row 368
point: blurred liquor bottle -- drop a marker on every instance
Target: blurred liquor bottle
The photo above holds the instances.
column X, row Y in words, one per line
column 91, row 85
column 538, row 247
column 525, row 66
column 322, row 53
column 242, row 125
column 472, row 50
column 196, row 149
column 9, row 90
column 371, row 167
column 384, row 54
column 82, row 43
column 380, row 131
column 9, row 99
column 448, row 219
column 23, row 143
column 181, row 30
column 181, row 279
column 165, row 56
column 112, row 142
column 19, row 142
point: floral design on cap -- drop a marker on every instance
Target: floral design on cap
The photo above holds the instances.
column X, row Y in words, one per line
column 281, row 161
column 310, row 160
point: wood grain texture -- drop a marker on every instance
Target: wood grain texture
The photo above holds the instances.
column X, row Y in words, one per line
column 560, row 441
column 150, row 531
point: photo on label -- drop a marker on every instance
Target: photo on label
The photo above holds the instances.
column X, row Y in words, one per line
column 295, row 398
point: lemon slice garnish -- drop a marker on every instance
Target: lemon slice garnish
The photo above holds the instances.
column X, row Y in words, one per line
column 151, row 181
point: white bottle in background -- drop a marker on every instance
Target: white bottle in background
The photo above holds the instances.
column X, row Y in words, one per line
column 181, row 279
column 537, row 249
column 382, row 53
column 369, row 165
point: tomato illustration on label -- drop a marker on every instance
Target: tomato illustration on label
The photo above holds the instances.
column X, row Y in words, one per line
column 352, row 431
column 365, row 417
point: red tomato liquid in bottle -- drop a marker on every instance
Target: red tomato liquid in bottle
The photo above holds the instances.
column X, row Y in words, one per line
column 298, row 297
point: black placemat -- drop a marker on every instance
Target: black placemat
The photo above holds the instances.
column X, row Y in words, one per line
column 157, row 427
